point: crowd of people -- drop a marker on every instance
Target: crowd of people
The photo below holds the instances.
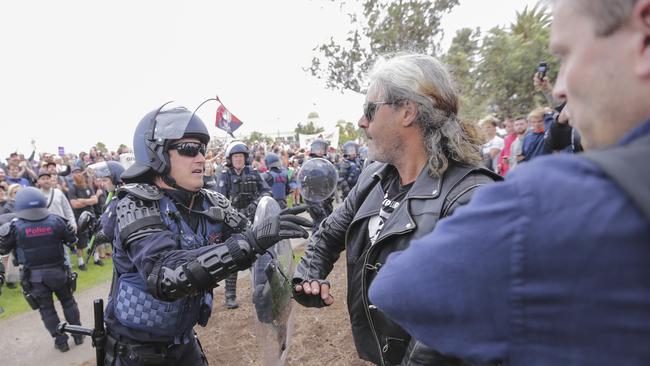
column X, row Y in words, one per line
column 448, row 263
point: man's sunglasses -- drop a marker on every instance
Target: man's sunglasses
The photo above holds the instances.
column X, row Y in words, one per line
column 370, row 108
column 190, row 149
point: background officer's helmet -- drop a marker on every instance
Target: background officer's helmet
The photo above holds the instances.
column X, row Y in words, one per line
column 272, row 160
column 236, row 147
column 31, row 204
column 318, row 147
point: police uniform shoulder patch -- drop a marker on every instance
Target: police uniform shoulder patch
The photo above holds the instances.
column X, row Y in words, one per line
column 141, row 190
column 136, row 214
column 216, row 198
column 5, row 229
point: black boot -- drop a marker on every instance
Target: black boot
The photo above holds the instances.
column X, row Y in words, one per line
column 78, row 339
column 63, row 347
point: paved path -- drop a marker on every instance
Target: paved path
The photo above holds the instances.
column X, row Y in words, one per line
column 25, row 341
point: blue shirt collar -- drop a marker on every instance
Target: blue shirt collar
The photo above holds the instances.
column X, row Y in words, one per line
column 641, row 130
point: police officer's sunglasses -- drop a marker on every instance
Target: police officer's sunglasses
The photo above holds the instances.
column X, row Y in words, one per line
column 190, row 149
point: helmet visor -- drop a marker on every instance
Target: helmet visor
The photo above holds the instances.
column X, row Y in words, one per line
column 172, row 123
column 100, row 170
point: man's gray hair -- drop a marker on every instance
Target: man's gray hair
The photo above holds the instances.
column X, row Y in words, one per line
column 608, row 15
column 425, row 81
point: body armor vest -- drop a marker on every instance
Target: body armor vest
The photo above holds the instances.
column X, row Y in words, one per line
column 279, row 186
column 39, row 243
column 243, row 189
column 136, row 308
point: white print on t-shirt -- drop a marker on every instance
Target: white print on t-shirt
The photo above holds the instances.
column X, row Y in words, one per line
column 377, row 222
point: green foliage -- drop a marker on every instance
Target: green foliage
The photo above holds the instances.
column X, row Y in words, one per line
column 101, row 147
column 462, row 58
column 493, row 70
column 347, row 131
column 308, row 128
column 386, row 27
column 509, row 60
column 14, row 303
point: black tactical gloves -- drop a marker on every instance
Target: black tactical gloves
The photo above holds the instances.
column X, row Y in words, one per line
column 273, row 229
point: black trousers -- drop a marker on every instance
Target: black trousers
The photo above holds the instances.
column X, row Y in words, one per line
column 130, row 353
column 42, row 291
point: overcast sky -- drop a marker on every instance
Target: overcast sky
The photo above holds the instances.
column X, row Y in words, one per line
column 76, row 72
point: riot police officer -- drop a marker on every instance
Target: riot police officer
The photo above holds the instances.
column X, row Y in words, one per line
column 109, row 174
column 319, row 210
column 174, row 242
column 37, row 238
column 363, row 156
column 244, row 186
column 277, row 178
column 350, row 168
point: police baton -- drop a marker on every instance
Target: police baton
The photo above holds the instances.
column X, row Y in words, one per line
column 98, row 334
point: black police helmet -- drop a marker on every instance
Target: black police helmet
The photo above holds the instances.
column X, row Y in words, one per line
column 154, row 134
column 31, row 204
column 272, row 160
column 350, row 148
column 110, row 169
column 318, row 147
column 237, row 147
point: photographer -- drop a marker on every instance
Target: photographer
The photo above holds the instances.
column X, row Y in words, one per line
column 560, row 135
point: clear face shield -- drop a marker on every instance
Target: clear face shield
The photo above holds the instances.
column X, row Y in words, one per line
column 317, row 179
column 99, row 170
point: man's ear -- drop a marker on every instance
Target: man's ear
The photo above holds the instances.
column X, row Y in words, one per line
column 641, row 24
column 409, row 112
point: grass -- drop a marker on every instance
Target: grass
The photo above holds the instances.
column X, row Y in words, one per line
column 14, row 303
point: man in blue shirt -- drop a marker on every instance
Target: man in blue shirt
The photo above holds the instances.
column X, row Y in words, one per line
column 534, row 139
column 550, row 267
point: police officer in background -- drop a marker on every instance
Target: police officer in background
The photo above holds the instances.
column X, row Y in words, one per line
column 319, row 210
column 173, row 243
column 350, row 168
column 363, row 156
column 109, row 174
column 244, row 186
column 37, row 237
column 277, row 178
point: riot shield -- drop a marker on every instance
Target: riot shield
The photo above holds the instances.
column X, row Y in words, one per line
column 317, row 179
column 271, row 288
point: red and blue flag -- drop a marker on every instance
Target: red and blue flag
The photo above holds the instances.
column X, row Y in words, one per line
column 226, row 120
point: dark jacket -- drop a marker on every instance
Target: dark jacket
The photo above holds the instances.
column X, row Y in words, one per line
column 548, row 268
column 377, row 339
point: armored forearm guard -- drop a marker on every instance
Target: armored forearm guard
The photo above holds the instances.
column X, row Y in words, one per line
column 204, row 272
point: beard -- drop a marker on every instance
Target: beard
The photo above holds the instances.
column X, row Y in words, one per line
column 384, row 151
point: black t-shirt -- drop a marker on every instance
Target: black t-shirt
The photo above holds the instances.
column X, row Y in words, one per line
column 81, row 193
column 394, row 194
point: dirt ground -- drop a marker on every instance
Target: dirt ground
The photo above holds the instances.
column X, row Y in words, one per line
column 320, row 336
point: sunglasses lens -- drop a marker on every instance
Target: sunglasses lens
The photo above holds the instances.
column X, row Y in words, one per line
column 190, row 149
column 369, row 111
